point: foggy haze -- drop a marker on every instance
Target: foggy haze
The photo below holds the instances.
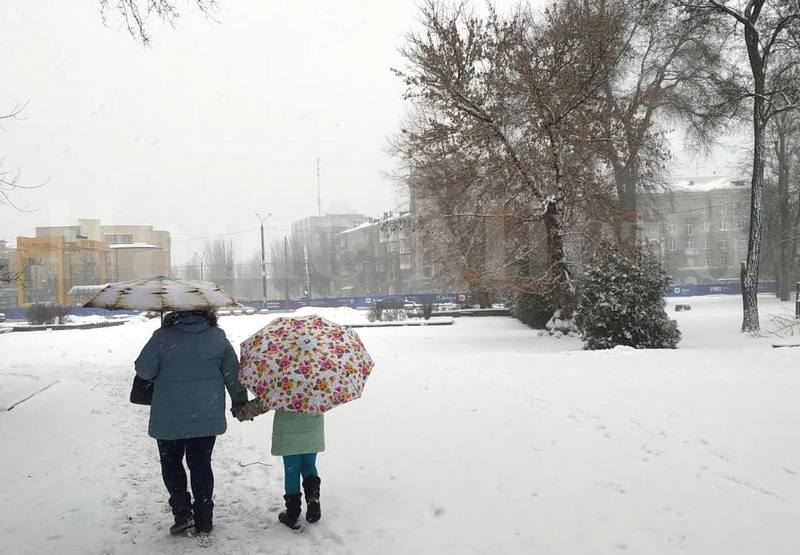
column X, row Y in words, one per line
column 213, row 121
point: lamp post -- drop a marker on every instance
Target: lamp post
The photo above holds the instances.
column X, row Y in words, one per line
column 263, row 258
column 202, row 258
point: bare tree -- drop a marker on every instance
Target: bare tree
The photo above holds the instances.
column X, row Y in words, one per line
column 519, row 98
column 136, row 14
column 781, row 202
column 661, row 73
column 220, row 264
column 768, row 34
column 9, row 180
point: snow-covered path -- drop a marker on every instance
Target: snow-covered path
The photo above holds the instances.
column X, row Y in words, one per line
column 479, row 437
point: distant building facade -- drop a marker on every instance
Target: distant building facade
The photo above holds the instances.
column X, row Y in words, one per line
column 62, row 257
column 699, row 229
column 375, row 257
column 8, row 275
column 314, row 242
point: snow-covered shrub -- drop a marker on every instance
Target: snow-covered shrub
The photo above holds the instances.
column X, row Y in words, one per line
column 531, row 309
column 622, row 303
column 39, row 314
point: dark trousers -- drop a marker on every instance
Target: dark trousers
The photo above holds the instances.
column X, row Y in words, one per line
column 197, row 451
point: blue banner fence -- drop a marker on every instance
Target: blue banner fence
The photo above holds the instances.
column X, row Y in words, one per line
column 366, row 302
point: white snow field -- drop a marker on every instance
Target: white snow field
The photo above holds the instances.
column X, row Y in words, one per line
column 480, row 437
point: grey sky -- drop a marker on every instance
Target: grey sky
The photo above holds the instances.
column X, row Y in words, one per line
column 212, row 122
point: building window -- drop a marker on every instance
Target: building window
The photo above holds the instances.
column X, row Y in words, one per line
column 741, row 225
column 670, row 227
column 721, row 210
column 723, row 226
column 672, row 245
column 690, row 245
column 705, row 262
column 705, row 212
column 742, row 244
column 119, row 238
column 723, row 261
column 689, row 229
column 705, row 226
column 705, row 244
column 723, row 244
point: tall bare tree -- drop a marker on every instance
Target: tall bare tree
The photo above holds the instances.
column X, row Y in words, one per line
column 661, row 73
column 781, row 202
column 518, row 96
column 767, row 34
column 220, row 264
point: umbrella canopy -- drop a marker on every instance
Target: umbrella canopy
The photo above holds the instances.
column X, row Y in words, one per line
column 161, row 294
column 305, row 364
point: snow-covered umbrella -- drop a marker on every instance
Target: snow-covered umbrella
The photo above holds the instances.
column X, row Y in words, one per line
column 305, row 364
column 161, row 294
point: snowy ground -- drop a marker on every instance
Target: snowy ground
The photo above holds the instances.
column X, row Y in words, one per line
column 479, row 437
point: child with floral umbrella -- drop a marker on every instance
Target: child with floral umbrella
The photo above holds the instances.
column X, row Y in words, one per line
column 301, row 368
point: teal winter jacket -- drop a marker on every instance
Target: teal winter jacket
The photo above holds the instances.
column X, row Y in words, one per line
column 297, row 433
column 192, row 364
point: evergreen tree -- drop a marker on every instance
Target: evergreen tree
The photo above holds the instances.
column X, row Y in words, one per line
column 622, row 303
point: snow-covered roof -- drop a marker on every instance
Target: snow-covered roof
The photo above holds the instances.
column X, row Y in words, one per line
column 359, row 227
column 86, row 289
column 702, row 184
column 134, row 246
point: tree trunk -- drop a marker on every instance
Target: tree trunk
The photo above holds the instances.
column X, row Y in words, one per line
column 750, row 321
column 558, row 271
column 626, row 227
column 785, row 270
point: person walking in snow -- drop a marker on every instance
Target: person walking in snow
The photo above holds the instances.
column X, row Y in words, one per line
column 191, row 363
column 297, row 437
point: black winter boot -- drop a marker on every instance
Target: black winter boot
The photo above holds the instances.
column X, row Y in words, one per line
column 182, row 511
column 313, row 508
column 291, row 516
column 203, row 516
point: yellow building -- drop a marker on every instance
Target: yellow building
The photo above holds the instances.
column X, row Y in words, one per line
column 49, row 267
column 62, row 257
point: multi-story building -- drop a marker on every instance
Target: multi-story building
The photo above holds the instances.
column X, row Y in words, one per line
column 8, row 275
column 316, row 238
column 374, row 257
column 699, row 228
column 62, row 257
column 50, row 266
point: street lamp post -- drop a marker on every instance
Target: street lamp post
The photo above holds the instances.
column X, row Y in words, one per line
column 202, row 258
column 263, row 258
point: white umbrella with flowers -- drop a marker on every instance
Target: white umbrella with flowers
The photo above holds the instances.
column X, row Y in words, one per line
column 305, row 364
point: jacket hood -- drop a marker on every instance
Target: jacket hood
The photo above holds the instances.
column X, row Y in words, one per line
column 191, row 323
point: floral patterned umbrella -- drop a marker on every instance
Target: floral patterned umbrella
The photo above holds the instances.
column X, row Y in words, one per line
column 305, row 364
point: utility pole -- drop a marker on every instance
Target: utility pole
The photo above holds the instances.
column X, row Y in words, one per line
column 286, row 270
column 308, row 274
column 263, row 260
column 319, row 192
column 202, row 258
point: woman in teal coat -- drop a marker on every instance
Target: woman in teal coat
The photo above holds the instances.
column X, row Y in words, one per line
column 191, row 364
